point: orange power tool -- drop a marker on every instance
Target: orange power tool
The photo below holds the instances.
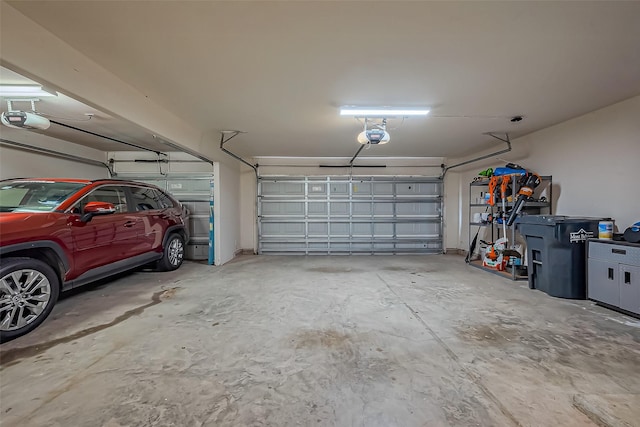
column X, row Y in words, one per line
column 493, row 183
column 528, row 183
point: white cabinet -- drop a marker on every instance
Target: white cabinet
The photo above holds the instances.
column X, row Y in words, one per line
column 613, row 274
column 629, row 277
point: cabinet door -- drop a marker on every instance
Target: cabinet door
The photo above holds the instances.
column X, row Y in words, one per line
column 603, row 281
column 629, row 280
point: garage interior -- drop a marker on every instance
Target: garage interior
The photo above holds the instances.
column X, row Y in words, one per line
column 338, row 292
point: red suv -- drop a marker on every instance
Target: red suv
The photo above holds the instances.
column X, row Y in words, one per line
column 58, row 234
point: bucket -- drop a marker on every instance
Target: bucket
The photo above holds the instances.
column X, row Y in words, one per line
column 605, row 230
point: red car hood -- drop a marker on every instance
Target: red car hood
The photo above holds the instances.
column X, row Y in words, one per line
column 16, row 223
column 16, row 217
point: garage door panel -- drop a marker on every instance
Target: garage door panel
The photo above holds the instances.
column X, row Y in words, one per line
column 283, row 229
column 416, row 189
column 339, row 189
column 378, row 247
column 318, row 208
column 362, row 209
column 416, row 229
column 412, row 209
column 383, row 230
column 361, row 229
column 318, row 229
column 283, row 188
column 185, row 185
column 197, row 208
column 339, row 208
column 283, row 208
column 319, row 247
column 340, row 247
column 335, row 215
column 361, row 188
column 382, row 208
column 317, row 189
column 361, row 247
column 383, row 188
column 198, row 228
column 280, row 247
column 339, row 229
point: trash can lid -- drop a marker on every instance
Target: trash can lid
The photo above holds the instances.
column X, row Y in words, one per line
column 556, row 219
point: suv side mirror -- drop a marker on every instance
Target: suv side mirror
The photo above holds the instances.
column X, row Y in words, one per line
column 92, row 209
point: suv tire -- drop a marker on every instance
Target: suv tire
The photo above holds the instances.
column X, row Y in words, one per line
column 29, row 289
column 173, row 253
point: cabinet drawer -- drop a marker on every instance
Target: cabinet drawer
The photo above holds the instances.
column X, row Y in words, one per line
column 615, row 253
column 629, row 279
column 602, row 281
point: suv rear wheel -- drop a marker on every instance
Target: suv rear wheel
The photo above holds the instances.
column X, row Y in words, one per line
column 29, row 289
column 173, row 254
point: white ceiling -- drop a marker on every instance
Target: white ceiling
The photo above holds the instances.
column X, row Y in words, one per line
column 62, row 109
column 280, row 70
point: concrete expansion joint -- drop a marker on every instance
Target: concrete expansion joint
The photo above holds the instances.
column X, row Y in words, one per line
column 596, row 413
column 470, row 375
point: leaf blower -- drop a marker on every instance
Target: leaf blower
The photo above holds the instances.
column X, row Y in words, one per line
column 527, row 182
column 493, row 185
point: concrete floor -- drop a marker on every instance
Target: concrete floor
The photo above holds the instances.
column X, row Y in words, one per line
column 364, row 341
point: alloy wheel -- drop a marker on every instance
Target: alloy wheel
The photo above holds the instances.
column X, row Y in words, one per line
column 24, row 295
column 176, row 251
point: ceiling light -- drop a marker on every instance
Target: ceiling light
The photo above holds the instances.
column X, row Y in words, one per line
column 382, row 111
column 24, row 90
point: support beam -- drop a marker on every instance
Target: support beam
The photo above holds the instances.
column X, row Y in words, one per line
column 224, row 140
column 477, row 159
column 40, row 150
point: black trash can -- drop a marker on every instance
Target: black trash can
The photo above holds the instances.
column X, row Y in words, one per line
column 556, row 255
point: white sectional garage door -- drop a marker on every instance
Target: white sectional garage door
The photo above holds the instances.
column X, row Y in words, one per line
column 349, row 215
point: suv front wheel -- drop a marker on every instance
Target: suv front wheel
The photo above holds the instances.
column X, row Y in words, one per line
column 29, row 289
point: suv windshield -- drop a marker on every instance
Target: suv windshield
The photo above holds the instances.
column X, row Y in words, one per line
column 35, row 196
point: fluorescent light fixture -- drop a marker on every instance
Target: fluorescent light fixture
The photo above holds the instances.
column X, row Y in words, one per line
column 11, row 91
column 382, row 111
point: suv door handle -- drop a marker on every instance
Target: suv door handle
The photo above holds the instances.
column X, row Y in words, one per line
column 130, row 223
